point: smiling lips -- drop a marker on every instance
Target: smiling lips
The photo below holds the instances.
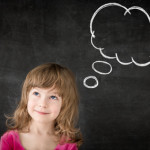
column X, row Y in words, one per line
column 41, row 113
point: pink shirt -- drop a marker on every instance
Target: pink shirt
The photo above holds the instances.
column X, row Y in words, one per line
column 10, row 141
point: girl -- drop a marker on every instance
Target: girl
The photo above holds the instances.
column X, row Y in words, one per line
column 47, row 114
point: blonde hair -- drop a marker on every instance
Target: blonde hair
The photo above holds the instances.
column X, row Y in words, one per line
column 47, row 76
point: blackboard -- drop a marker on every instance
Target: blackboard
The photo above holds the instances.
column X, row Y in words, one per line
column 114, row 91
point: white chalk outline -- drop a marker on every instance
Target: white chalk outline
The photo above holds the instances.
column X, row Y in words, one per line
column 90, row 77
column 127, row 10
column 99, row 72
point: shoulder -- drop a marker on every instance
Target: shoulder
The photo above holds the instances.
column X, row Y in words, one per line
column 64, row 145
column 7, row 139
column 9, row 135
column 67, row 146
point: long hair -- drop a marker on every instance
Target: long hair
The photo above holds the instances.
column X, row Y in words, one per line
column 47, row 76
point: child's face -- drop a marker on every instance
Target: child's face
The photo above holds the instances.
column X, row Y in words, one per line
column 44, row 104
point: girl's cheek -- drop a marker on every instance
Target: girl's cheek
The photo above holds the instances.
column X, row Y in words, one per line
column 31, row 103
column 56, row 109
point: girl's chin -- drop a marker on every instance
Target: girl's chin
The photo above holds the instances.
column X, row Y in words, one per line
column 42, row 120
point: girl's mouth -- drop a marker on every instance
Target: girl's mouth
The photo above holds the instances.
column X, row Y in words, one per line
column 42, row 113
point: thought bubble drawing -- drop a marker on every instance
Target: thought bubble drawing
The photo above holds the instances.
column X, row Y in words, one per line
column 122, row 36
column 99, row 72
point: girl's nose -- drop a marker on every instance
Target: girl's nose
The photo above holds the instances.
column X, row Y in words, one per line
column 43, row 106
column 43, row 103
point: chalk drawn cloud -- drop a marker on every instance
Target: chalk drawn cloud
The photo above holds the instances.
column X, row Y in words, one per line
column 114, row 55
column 127, row 11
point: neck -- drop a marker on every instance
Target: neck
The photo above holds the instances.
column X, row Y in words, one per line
column 41, row 128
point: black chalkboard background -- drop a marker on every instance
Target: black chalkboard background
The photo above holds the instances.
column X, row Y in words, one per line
column 113, row 116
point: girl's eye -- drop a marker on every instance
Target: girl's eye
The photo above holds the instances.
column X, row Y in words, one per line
column 36, row 93
column 53, row 97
